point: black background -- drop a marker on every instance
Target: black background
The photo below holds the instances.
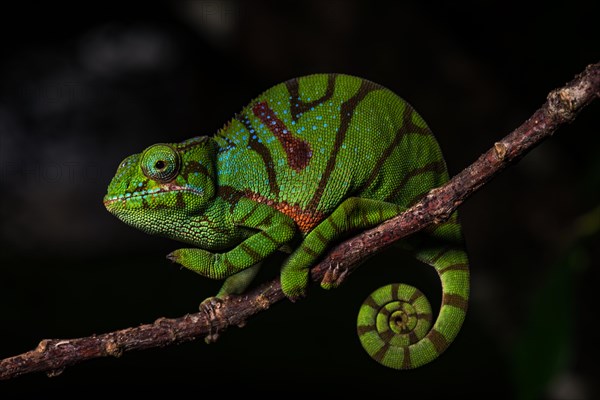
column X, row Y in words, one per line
column 81, row 88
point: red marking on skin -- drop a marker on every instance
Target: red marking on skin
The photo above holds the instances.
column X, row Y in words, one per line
column 297, row 150
column 305, row 220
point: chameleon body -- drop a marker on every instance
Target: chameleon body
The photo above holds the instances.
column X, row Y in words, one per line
column 306, row 163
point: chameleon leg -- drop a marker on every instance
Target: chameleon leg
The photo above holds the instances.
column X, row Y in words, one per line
column 238, row 283
column 394, row 322
column 274, row 230
column 353, row 213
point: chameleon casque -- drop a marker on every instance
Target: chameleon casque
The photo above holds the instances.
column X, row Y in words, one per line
column 306, row 163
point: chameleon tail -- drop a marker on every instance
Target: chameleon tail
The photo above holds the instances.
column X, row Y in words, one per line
column 394, row 322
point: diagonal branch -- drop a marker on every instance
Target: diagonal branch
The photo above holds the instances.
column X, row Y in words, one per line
column 562, row 106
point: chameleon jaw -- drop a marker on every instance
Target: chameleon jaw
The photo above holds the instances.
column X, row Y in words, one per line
column 165, row 188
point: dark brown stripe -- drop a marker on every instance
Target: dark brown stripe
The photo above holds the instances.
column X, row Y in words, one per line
column 346, row 112
column 394, row 290
column 417, row 294
column 299, row 106
column 454, row 300
column 230, row 194
column 333, row 224
column 378, row 356
column 434, row 166
column 370, row 301
column 411, row 127
column 386, row 336
column 380, row 214
column 439, row 255
column 454, row 267
column 412, row 337
column 248, row 214
column 365, row 219
column 230, row 268
column 425, row 316
column 384, row 156
column 266, row 221
column 346, row 208
column 269, row 237
column 180, row 203
column 250, row 251
column 194, row 166
column 406, row 362
column 310, row 251
column 320, row 236
column 438, row 340
column 362, row 329
column 298, row 151
column 264, row 153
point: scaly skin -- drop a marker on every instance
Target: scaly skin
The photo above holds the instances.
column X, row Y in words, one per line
column 306, row 163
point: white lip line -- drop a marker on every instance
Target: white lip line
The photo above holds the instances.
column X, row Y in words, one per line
column 169, row 189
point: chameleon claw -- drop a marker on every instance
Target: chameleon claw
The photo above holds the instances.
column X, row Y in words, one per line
column 296, row 298
column 210, row 307
column 334, row 277
column 173, row 257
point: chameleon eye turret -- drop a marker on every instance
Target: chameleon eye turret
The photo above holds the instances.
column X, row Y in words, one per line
column 160, row 162
column 315, row 158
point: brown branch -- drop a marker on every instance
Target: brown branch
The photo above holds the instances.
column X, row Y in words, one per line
column 561, row 107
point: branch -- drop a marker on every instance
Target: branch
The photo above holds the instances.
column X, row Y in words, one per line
column 562, row 106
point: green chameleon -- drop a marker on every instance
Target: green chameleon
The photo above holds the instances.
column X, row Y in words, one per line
column 305, row 164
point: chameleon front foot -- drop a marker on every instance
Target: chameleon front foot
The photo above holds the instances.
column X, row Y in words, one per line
column 294, row 283
column 334, row 277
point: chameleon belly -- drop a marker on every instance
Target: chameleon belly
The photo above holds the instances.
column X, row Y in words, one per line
column 305, row 164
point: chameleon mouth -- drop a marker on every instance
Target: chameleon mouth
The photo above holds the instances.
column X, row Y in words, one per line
column 146, row 194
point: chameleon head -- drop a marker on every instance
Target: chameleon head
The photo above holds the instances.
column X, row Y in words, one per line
column 167, row 182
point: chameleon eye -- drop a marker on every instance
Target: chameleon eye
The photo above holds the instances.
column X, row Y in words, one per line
column 160, row 162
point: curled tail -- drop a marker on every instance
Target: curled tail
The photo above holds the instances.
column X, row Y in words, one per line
column 394, row 322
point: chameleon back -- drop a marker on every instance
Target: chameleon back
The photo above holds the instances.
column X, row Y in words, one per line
column 314, row 141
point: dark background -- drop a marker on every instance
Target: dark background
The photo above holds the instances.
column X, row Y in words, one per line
column 81, row 88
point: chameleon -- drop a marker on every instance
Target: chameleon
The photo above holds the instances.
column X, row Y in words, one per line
column 305, row 164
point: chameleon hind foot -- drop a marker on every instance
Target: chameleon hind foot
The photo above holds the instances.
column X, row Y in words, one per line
column 210, row 307
column 334, row 277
